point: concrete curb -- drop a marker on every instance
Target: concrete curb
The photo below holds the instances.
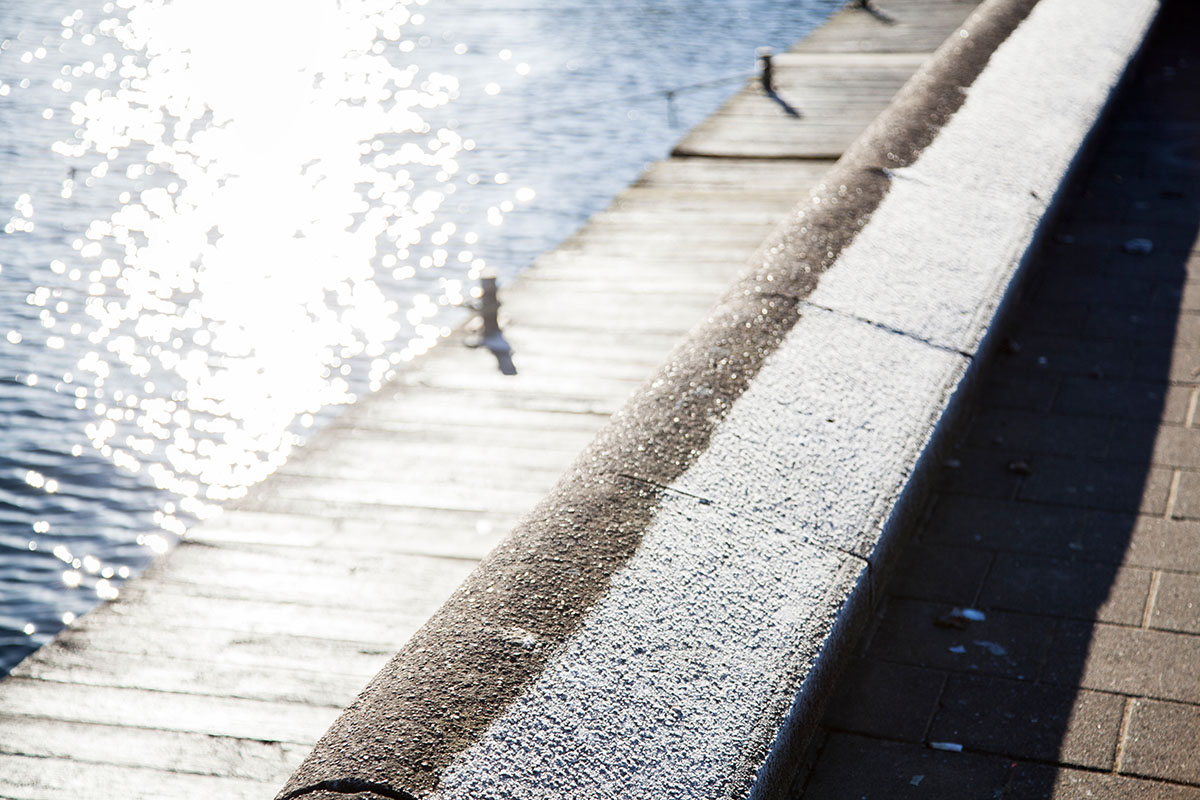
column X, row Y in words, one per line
column 666, row 622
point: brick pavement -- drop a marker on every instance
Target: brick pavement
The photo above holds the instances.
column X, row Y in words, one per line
column 1069, row 514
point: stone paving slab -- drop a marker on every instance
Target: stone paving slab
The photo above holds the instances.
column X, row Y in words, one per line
column 1026, row 720
column 1160, row 741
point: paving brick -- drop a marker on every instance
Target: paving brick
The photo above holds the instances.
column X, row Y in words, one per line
column 1094, row 484
column 1003, row 644
column 1065, row 289
column 1040, row 433
column 1187, row 501
column 1177, row 447
column 1133, row 443
column 1133, row 661
column 1152, row 542
column 1184, row 297
column 1061, row 783
column 1164, row 208
column 1166, row 263
column 1187, row 330
column 1007, row 386
column 886, row 699
column 1038, row 316
column 1143, row 326
column 852, row 767
column 1066, row 355
column 981, row 472
column 1163, row 741
column 1021, row 719
column 1124, row 400
column 1177, row 604
column 936, row 572
column 1003, row 525
column 1181, row 365
column 1080, row 589
column 1137, row 198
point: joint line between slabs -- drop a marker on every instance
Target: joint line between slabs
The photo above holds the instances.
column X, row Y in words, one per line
column 1151, row 597
column 706, row 501
column 883, row 326
column 1191, row 412
column 1122, row 733
column 1172, row 494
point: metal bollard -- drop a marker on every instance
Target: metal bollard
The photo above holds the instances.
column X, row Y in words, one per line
column 491, row 337
column 672, row 118
column 874, row 10
column 767, row 73
column 489, row 307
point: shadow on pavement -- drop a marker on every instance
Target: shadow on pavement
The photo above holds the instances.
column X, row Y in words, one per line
column 1065, row 516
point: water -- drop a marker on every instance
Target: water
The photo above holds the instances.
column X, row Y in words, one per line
column 224, row 219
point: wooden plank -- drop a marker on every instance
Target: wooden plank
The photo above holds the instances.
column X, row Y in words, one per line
column 466, row 535
column 198, row 563
column 297, row 723
column 904, row 62
column 584, row 363
column 283, row 489
column 300, row 578
column 634, row 283
column 35, row 778
column 507, row 426
column 173, row 611
column 352, row 459
column 142, row 748
column 480, row 463
column 649, row 237
column 725, row 253
column 512, row 409
column 376, row 513
column 200, row 676
column 570, row 262
column 672, row 201
column 379, row 598
column 644, row 218
column 267, row 651
column 917, row 26
column 588, row 266
column 790, row 179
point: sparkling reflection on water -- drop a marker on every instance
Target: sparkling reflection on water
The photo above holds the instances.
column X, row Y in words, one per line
column 226, row 218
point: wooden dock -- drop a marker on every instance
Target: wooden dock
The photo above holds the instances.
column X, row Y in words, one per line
column 218, row 668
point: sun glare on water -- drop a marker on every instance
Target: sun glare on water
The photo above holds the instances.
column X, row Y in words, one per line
column 266, row 173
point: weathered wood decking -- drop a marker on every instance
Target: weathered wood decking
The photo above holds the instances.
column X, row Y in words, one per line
column 217, row 669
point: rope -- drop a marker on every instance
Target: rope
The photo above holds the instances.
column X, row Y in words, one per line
column 667, row 94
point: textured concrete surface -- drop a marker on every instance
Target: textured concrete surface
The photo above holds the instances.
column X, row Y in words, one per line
column 654, row 628
column 1080, row 680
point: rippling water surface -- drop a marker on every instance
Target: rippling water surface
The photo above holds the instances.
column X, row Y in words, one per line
column 223, row 219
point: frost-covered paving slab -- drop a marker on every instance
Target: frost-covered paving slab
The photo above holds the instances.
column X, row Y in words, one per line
column 941, row 247
column 712, row 606
column 664, row 623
